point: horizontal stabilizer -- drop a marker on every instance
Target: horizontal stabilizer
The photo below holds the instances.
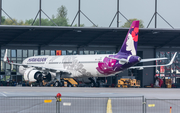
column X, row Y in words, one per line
column 142, row 67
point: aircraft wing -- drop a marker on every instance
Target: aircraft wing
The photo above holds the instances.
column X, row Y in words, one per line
column 35, row 66
column 42, row 68
column 152, row 59
column 142, row 67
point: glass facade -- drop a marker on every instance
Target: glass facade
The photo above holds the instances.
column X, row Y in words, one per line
column 11, row 72
column 169, row 72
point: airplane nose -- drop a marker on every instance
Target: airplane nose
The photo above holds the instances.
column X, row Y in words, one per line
column 139, row 59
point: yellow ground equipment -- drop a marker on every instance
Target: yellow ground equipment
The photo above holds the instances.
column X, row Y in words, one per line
column 45, row 83
column 68, row 82
column 168, row 83
column 65, row 84
column 71, row 81
column 127, row 82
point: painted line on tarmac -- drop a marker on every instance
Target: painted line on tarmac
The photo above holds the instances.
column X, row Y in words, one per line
column 109, row 106
column 3, row 94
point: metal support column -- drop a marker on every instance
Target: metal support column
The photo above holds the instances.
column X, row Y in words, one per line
column 155, row 13
column 79, row 13
column 77, row 51
column 39, row 12
column 154, row 63
column 0, row 12
column 39, row 50
column 117, row 13
column 155, row 16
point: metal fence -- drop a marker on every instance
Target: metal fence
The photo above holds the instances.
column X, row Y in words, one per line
column 43, row 104
column 162, row 105
column 27, row 105
column 101, row 105
column 71, row 105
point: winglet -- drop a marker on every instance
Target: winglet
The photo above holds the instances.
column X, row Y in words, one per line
column 172, row 59
column 5, row 57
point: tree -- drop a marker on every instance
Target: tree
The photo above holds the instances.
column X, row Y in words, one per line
column 127, row 24
column 44, row 22
column 21, row 22
column 81, row 25
column 61, row 18
column 62, row 12
column 29, row 22
column 9, row 22
column 3, row 19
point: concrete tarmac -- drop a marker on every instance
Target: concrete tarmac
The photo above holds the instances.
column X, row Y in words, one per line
column 149, row 93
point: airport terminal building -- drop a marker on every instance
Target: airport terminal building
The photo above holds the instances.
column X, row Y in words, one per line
column 26, row 41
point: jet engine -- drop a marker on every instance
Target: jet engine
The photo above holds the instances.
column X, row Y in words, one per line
column 33, row 75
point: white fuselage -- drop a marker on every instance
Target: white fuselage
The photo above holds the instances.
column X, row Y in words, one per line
column 77, row 65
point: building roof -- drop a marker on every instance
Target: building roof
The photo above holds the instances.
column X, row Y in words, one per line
column 84, row 36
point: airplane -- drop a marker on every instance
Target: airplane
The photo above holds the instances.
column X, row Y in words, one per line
column 54, row 68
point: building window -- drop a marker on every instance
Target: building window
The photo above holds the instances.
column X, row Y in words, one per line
column 19, row 53
column 2, row 53
column 97, row 52
column 81, row 52
column 47, row 52
column 42, row 52
column 13, row 53
column 91, row 52
column 53, row 52
column 35, row 52
column 102, row 52
column 8, row 53
column 86, row 52
column 24, row 53
column 30, row 53
column 74, row 52
column 63, row 52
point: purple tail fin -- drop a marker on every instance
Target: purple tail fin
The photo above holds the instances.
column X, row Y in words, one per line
column 130, row 43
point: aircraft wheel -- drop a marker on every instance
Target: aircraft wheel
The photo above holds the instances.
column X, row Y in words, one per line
column 56, row 84
column 92, row 84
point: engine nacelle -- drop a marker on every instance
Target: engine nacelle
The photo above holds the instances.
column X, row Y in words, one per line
column 32, row 75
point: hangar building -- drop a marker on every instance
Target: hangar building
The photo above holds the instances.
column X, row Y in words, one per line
column 26, row 41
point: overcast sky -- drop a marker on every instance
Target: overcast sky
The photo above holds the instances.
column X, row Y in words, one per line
column 101, row 12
